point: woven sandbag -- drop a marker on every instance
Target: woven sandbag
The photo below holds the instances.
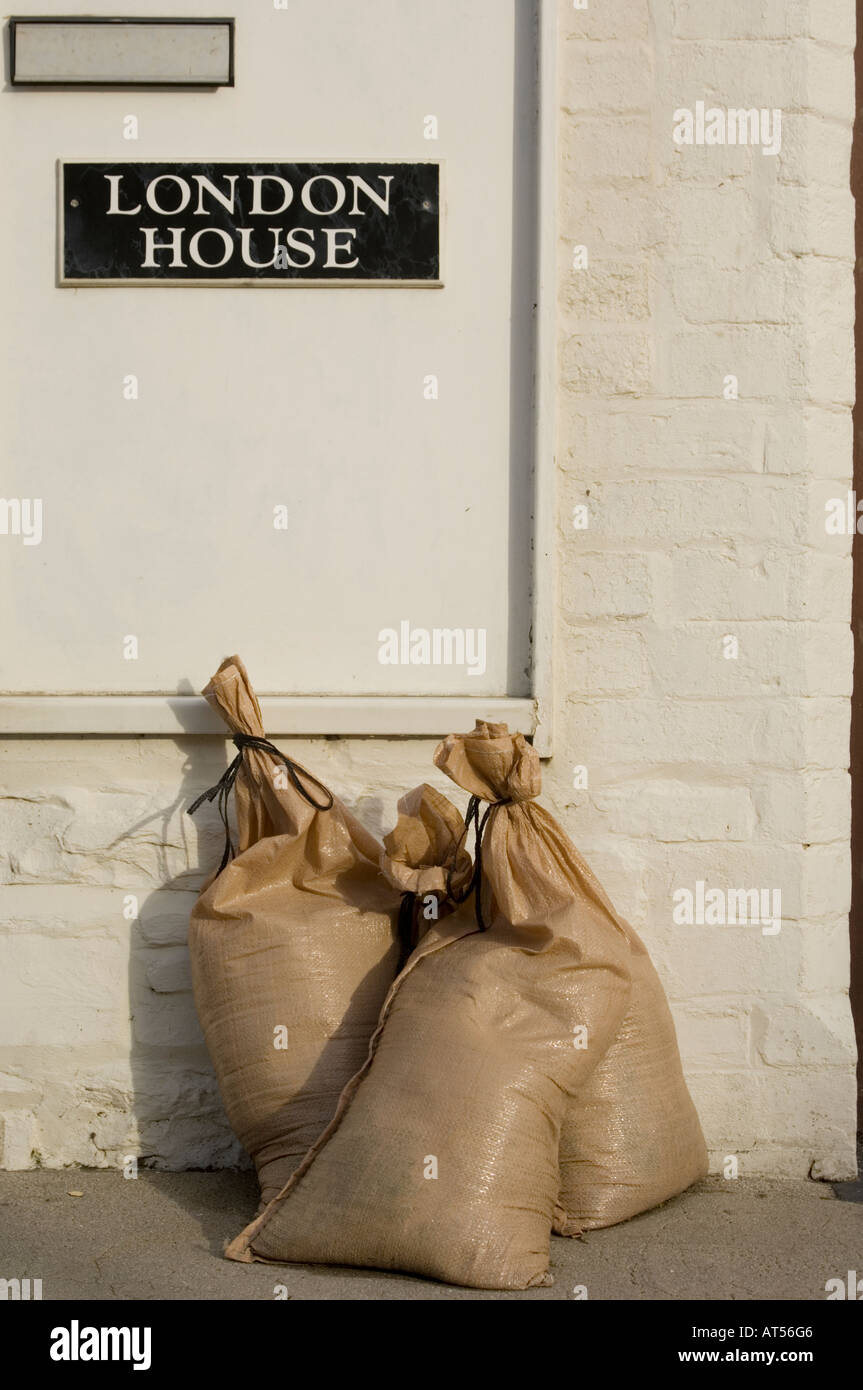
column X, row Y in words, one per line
column 442, row 1157
column 632, row 1139
column 293, row 945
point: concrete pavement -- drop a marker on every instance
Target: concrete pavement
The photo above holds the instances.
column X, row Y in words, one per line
column 161, row 1235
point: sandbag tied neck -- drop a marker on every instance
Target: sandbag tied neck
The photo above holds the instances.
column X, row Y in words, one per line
column 424, row 855
column 494, row 766
column 223, row 788
column 491, row 763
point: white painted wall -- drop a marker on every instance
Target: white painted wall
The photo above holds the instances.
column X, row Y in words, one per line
column 706, row 521
column 158, row 512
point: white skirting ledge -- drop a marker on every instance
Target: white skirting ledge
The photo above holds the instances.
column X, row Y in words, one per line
column 284, row 716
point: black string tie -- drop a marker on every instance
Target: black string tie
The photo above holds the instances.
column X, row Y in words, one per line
column 220, row 793
column 407, row 909
column 475, row 883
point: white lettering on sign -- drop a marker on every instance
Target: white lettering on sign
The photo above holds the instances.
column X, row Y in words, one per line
column 322, row 195
column 319, row 204
column 257, row 181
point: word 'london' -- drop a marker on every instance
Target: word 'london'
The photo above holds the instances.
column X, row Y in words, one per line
column 301, row 241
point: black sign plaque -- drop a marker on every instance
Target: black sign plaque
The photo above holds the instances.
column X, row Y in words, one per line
column 230, row 222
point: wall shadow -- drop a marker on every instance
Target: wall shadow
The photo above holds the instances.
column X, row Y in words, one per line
column 523, row 346
column 175, row 1099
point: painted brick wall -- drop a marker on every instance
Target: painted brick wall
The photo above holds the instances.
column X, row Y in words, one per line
column 706, row 521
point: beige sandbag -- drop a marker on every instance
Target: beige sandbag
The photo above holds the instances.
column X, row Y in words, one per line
column 292, row 943
column 632, row 1139
column 442, row 1157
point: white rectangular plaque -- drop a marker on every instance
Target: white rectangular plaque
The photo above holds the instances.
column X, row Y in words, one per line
column 122, row 52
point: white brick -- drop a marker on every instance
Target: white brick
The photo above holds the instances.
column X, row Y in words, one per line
column 606, row 77
column 823, row 965
column 164, row 918
column 607, row 364
column 621, row 220
column 815, row 151
column 813, row 884
column 810, row 440
column 728, row 1108
column 595, row 584
column 772, row 659
column 599, row 150
column 747, row 582
column 828, row 366
column 829, row 80
column 734, row 962
column 167, row 1022
column 730, row 74
column 31, row 830
column 765, row 360
column 700, row 164
column 17, row 1135
column 670, row 810
column 721, row 219
column 700, row 509
column 625, row 19
column 713, row 1037
column 831, row 21
column 778, row 1121
column 607, row 291
column 698, row 438
column 783, row 733
column 63, row 992
column 168, row 970
column 804, row 221
column 727, row 19
column 703, row 293
column 794, row 1035
column 808, row 807
column 601, row 663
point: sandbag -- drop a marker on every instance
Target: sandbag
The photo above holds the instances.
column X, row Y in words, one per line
column 632, row 1139
column 442, row 1158
column 293, row 944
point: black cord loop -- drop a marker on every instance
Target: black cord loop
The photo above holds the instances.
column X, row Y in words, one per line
column 223, row 788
